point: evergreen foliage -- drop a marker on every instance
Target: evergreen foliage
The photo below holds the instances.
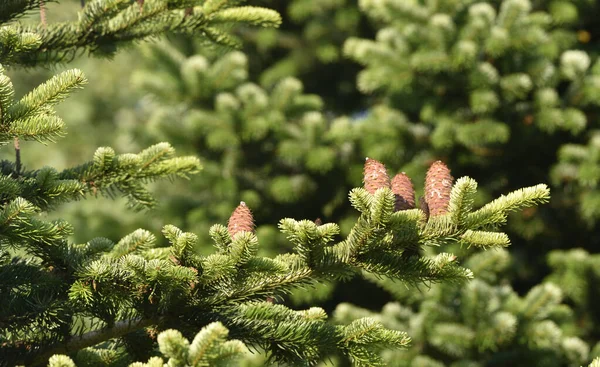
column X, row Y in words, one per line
column 474, row 84
column 576, row 273
column 495, row 83
column 103, row 25
column 210, row 347
column 236, row 126
column 407, row 128
column 308, row 46
column 111, row 290
column 437, row 114
column 485, row 323
column 473, row 45
column 578, row 171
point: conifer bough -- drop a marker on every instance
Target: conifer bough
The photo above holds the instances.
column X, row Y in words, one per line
column 103, row 25
column 132, row 285
column 106, row 301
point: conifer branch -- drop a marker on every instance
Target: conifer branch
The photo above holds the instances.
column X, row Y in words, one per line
column 102, row 26
column 188, row 288
column 61, row 286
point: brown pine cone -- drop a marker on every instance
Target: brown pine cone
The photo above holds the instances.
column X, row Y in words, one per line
column 375, row 175
column 241, row 220
column 405, row 193
column 438, row 185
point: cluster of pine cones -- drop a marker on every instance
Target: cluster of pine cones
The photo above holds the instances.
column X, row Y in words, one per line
column 438, row 185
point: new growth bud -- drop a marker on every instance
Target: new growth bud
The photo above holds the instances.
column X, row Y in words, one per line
column 438, row 185
column 375, row 176
column 405, row 193
column 241, row 220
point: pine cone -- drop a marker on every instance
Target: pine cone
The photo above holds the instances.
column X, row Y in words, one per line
column 375, row 175
column 241, row 220
column 405, row 193
column 438, row 184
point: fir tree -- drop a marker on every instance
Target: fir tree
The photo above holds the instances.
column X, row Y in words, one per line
column 103, row 302
column 103, row 291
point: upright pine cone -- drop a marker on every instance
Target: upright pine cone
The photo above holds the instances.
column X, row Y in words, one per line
column 241, row 220
column 438, row 184
column 375, row 175
column 405, row 193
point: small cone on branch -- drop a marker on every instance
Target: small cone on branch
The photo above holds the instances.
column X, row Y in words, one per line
column 375, row 175
column 403, row 188
column 438, row 185
column 241, row 220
